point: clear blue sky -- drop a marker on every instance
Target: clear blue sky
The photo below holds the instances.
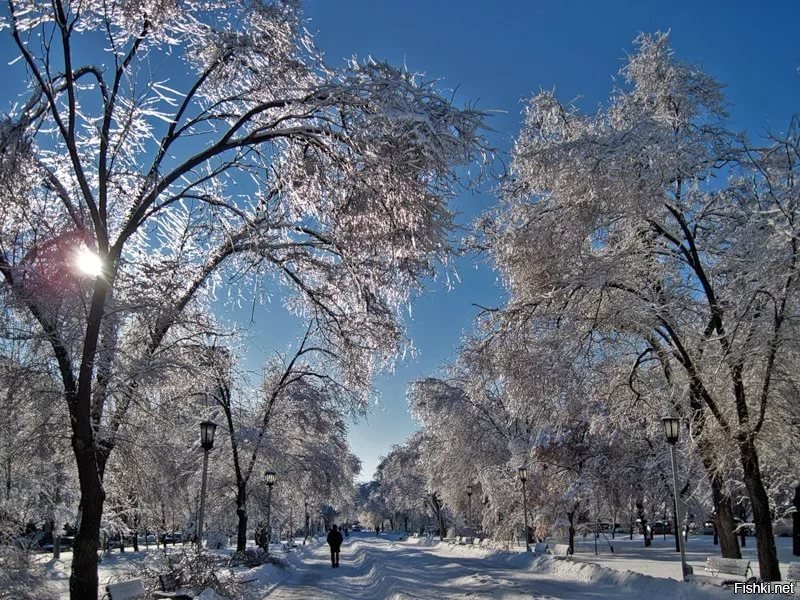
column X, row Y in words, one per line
column 497, row 53
column 494, row 54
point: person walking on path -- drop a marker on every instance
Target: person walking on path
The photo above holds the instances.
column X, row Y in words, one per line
column 335, row 542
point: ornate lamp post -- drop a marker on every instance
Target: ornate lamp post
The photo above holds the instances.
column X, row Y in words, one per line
column 522, row 472
column 469, row 506
column 207, row 431
column 672, row 431
column 270, row 476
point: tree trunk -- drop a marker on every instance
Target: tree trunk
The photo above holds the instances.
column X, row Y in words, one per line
column 614, row 515
column 83, row 581
column 570, row 531
column 769, row 569
column 241, row 529
column 796, row 523
column 643, row 522
column 723, row 514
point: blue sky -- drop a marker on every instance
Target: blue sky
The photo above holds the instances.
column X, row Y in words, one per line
column 497, row 53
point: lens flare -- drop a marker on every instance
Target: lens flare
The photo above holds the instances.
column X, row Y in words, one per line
column 88, row 262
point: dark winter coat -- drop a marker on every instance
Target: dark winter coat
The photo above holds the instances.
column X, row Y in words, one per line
column 335, row 539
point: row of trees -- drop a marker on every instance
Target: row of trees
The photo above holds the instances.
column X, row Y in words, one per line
column 651, row 261
column 174, row 151
column 288, row 424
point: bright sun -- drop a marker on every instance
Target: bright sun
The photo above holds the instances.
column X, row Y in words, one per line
column 88, row 262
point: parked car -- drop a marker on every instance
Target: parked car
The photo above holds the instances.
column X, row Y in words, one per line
column 708, row 528
column 662, row 527
column 174, row 537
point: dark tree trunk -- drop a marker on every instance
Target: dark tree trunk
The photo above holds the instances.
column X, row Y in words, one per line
column 723, row 506
column 136, row 540
column 769, row 570
column 614, row 515
column 723, row 513
column 83, row 581
column 241, row 529
column 723, row 521
column 643, row 521
column 571, row 530
column 796, row 523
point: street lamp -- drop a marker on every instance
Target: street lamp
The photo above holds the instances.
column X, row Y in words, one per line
column 672, row 431
column 207, row 431
column 270, row 475
column 523, row 477
column 469, row 506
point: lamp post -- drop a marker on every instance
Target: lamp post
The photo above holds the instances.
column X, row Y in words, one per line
column 469, row 506
column 207, row 430
column 672, row 431
column 523, row 477
column 270, row 475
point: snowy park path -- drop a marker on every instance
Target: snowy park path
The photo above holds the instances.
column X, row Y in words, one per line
column 376, row 568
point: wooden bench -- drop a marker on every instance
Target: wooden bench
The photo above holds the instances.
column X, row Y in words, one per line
column 561, row 551
column 724, row 566
column 793, row 572
column 126, row 590
column 171, row 589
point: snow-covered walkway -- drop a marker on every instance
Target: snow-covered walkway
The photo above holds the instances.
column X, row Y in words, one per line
column 378, row 568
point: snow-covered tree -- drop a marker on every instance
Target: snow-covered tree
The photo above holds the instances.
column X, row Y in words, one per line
column 163, row 145
column 402, row 480
column 622, row 223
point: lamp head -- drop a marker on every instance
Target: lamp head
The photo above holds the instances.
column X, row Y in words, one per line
column 270, row 475
column 522, row 472
column 207, row 430
column 672, row 429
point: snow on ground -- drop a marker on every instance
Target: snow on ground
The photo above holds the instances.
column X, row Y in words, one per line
column 375, row 568
column 661, row 559
column 385, row 567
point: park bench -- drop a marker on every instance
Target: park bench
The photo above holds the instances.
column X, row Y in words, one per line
column 724, row 566
column 126, row 590
column 561, row 551
column 541, row 548
column 171, row 589
column 793, row 572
